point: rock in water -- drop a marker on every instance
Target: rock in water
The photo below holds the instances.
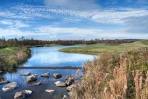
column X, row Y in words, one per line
column 22, row 94
column 1, row 72
column 70, row 80
column 65, row 97
column 19, row 95
column 31, row 78
column 50, row 91
column 36, row 83
column 27, row 92
column 60, row 84
column 26, row 74
column 9, row 86
column 4, row 82
column 57, row 75
column 46, row 75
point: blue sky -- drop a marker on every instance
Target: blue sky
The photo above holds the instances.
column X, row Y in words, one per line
column 74, row 19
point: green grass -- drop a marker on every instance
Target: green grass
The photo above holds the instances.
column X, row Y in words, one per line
column 103, row 48
column 11, row 57
column 8, row 50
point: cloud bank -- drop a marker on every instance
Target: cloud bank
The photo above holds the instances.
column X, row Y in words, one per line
column 77, row 19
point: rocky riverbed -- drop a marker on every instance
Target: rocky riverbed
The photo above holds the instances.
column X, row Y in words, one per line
column 44, row 83
column 59, row 84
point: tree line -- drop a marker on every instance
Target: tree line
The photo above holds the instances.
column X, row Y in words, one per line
column 33, row 42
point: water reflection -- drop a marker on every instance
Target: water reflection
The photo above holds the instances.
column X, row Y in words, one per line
column 45, row 56
column 50, row 56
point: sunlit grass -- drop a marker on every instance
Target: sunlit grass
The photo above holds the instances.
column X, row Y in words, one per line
column 12, row 56
column 105, row 48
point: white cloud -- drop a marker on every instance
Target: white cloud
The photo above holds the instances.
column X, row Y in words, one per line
column 137, row 24
column 126, row 17
column 101, row 16
column 117, row 16
column 14, row 23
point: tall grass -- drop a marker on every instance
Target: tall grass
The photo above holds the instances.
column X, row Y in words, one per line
column 115, row 76
column 11, row 57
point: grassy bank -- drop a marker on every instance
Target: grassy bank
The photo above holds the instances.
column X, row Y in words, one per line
column 104, row 48
column 11, row 57
column 115, row 76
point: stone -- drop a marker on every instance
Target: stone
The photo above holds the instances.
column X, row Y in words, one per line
column 60, row 84
column 31, row 78
column 70, row 80
column 46, row 75
column 50, row 91
column 26, row 74
column 19, row 95
column 36, row 84
column 1, row 72
column 27, row 92
column 22, row 94
column 9, row 86
column 57, row 75
column 65, row 97
column 4, row 82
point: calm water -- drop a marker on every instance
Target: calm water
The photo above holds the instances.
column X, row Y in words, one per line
column 45, row 57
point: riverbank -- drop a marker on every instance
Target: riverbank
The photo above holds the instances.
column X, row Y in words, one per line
column 44, row 63
column 12, row 57
column 105, row 48
column 116, row 76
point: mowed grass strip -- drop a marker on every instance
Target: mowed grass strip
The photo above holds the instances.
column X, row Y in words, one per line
column 103, row 48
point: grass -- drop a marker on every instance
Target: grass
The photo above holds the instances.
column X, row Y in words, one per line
column 105, row 48
column 11, row 57
column 115, row 76
column 120, row 71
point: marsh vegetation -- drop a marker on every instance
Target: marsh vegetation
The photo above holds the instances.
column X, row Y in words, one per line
column 121, row 75
column 12, row 57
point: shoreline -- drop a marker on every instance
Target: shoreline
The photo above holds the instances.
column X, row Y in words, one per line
column 13, row 57
column 120, row 76
column 95, row 49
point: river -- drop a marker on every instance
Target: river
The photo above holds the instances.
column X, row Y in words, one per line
column 45, row 57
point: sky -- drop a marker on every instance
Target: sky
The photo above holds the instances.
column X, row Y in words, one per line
column 74, row 19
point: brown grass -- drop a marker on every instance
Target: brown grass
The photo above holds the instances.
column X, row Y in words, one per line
column 113, row 76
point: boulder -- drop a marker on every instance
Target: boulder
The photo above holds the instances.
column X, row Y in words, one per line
column 65, row 97
column 69, row 80
column 26, row 74
column 19, row 95
column 1, row 72
column 27, row 92
column 22, row 94
column 50, row 91
column 36, row 83
column 1, row 78
column 57, row 75
column 60, row 84
column 9, row 86
column 46, row 75
column 4, row 82
column 31, row 78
